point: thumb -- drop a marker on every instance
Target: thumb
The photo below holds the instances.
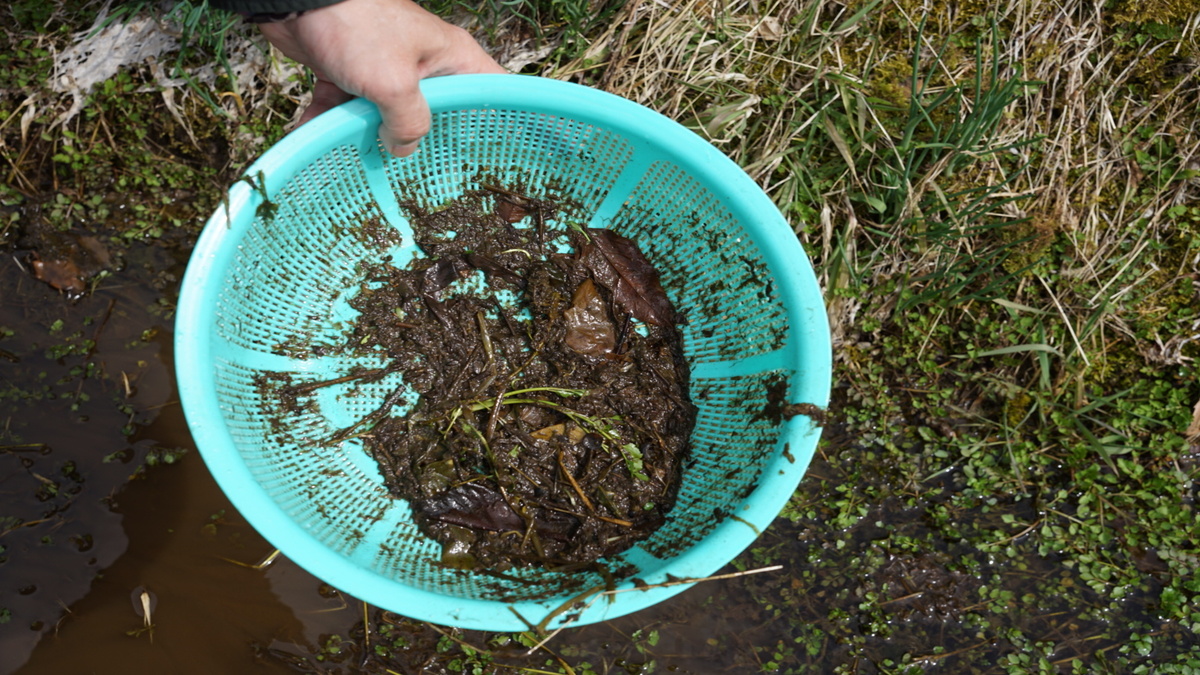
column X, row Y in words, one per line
column 406, row 119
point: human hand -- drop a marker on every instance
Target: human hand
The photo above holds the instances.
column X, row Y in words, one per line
column 380, row 50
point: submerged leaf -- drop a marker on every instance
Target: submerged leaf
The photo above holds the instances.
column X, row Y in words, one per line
column 442, row 273
column 618, row 265
column 62, row 275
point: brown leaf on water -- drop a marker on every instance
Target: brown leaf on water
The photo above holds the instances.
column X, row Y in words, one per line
column 617, row 264
column 66, row 261
column 61, row 274
column 590, row 331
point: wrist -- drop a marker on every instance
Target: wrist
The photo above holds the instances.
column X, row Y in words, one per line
column 271, row 17
column 270, row 11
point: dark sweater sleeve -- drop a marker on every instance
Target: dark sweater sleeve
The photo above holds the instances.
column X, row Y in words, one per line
column 269, row 6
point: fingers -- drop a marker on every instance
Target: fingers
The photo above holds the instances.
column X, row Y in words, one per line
column 405, row 119
column 405, row 112
column 379, row 49
column 326, row 95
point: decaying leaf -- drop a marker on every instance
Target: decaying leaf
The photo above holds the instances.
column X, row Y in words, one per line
column 66, row 262
column 572, row 432
column 472, row 505
column 479, row 507
column 510, row 211
column 617, row 264
column 494, row 269
column 63, row 275
column 769, row 29
column 442, row 273
column 590, row 331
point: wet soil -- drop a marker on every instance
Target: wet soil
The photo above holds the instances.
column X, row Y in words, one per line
column 553, row 414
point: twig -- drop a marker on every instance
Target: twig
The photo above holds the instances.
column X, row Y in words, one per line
column 366, row 631
column 593, row 592
column 23, row 446
column 378, row 413
column 293, row 390
column 1066, row 320
column 614, row 521
column 677, row 582
column 578, row 490
column 100, row 327
column 262, row 564
column 931, row 658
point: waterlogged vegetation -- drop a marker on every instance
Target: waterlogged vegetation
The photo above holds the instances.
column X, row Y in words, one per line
column 1001, row 202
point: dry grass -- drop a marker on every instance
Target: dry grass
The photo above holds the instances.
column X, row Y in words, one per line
column 778, row 84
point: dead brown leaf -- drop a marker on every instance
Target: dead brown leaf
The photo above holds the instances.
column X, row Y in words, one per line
column 617, row 264
column 62, row 275
column 590, row 331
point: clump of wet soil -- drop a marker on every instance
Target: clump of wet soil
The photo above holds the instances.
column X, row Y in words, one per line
column 553, row 413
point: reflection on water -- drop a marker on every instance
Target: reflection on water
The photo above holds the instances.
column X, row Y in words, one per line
column 86, row 401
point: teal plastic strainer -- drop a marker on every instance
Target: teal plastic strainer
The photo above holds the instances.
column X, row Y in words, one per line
column 267, row 291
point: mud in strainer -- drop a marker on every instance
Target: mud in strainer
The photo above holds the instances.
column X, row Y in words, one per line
column 267, row 291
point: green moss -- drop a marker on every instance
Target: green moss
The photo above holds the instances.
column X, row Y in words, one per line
column 1031, row 241
column 1169, row 12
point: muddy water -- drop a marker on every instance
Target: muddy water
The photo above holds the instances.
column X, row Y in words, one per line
column 86, row 399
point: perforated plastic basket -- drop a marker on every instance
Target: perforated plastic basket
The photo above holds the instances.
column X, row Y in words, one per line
column 264, row 289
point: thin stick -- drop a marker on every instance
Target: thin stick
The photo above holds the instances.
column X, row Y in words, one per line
column 523, row 669
column 614, row 521
column 594, row 592
column 305, row 388
column 461, row 642
column 23, row 446
column 378, row 414
column 677, row 582
column 1066, row 320
column 578, row 490
column 112, row 302
column 262, row 564
column 366, row 630
column 546, row 639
